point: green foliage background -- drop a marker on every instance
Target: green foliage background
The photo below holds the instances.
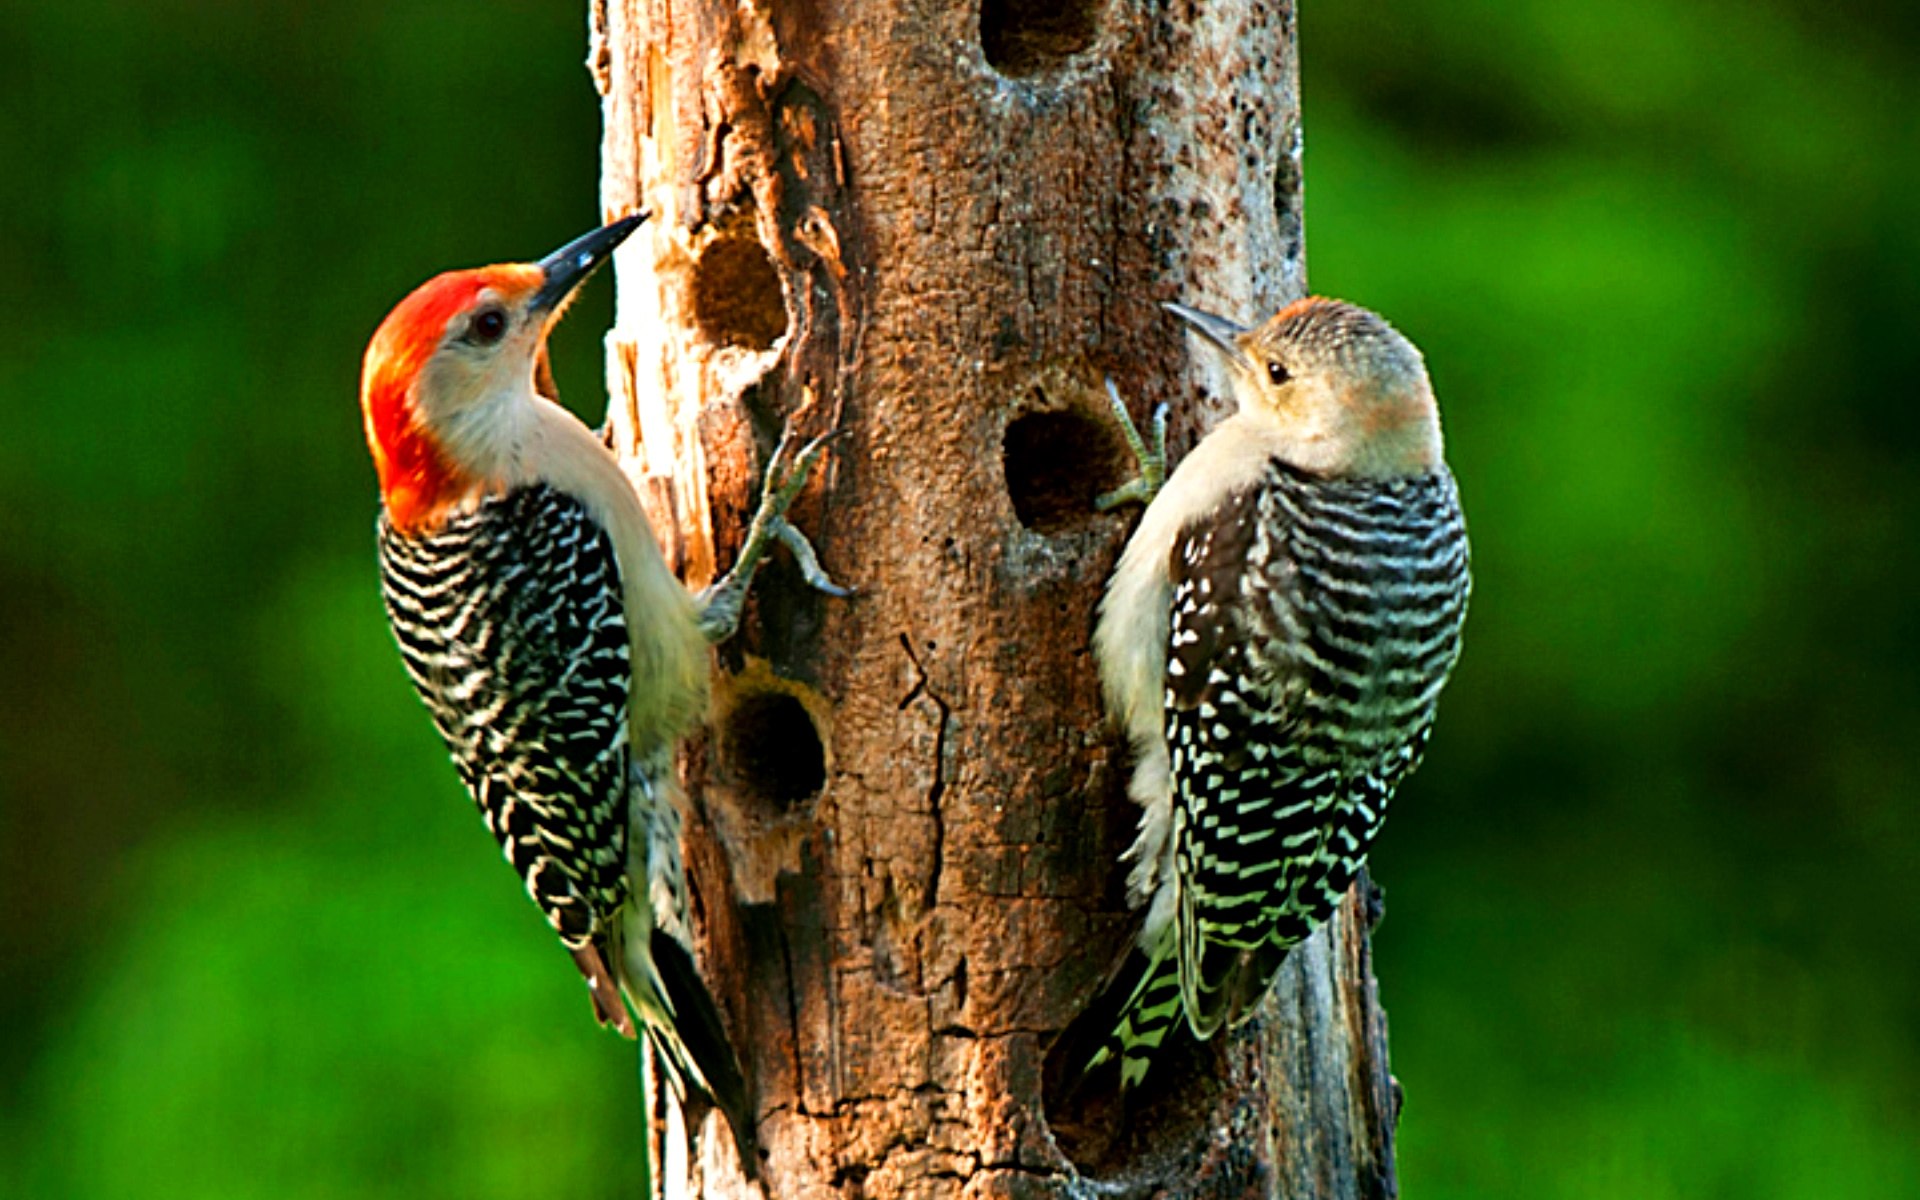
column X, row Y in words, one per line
column 1651, row 906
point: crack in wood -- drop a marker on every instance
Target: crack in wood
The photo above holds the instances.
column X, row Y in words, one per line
column 937, row 791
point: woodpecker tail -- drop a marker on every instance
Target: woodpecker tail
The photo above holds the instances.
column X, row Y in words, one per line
column 697, row 1046
column 685, row 1049
column 1110, row 1045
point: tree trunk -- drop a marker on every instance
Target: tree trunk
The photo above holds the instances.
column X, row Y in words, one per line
column 935, row 228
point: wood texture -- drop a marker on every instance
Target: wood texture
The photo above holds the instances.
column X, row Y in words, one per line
column 935, row 227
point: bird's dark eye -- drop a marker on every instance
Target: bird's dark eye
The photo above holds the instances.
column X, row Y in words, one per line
column 1277, row 372
column 489, row 326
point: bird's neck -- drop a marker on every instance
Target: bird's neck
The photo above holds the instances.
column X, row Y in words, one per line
column 1375, row 436
column 437, row 460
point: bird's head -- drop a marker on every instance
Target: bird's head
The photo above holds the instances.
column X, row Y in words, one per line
column 1347, row 394
column 448, row 383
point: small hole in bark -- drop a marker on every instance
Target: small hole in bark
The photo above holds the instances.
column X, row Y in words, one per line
column 1026, row 37
column 736, row 294
column 1110, row 1134
column 1057, row 464
column 774, row 749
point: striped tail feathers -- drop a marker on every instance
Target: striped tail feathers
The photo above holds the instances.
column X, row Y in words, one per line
column 1110, row 1045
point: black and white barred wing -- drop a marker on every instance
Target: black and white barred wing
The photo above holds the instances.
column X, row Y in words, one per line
column 1311, row 633
column 511, row 625
column 1246, row 817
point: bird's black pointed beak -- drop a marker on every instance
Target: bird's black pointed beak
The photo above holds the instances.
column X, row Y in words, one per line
column 1226, row 336
column 568, row 267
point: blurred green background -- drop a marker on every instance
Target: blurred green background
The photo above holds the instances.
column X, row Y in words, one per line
column 1652, row 923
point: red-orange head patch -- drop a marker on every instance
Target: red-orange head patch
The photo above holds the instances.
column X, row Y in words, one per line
column 417, row 478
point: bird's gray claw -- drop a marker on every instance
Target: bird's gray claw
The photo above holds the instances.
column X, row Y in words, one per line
column 809, row 562
column 787, row 473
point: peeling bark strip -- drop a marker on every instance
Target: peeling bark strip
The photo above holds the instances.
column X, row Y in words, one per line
column 936, row 227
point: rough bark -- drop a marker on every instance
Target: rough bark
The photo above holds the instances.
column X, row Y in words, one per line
column 935, row 228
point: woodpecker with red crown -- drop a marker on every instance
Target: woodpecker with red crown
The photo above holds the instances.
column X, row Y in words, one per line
column 1274, row 642
column 560, row 658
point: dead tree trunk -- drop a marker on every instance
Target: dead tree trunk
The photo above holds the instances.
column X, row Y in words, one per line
column 935, row 227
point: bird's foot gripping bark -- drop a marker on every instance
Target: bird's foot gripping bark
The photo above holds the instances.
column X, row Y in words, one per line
column 721, row 604
column 1152, row 460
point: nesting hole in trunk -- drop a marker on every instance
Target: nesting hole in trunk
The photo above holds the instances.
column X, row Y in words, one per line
column 1126, row 1140
column 1058, row 461
column 773, row 749
column 1028, row 37
column 736, row 293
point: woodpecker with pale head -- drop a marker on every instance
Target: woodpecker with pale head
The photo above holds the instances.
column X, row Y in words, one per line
column 1273, row 642
column 559, row 656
